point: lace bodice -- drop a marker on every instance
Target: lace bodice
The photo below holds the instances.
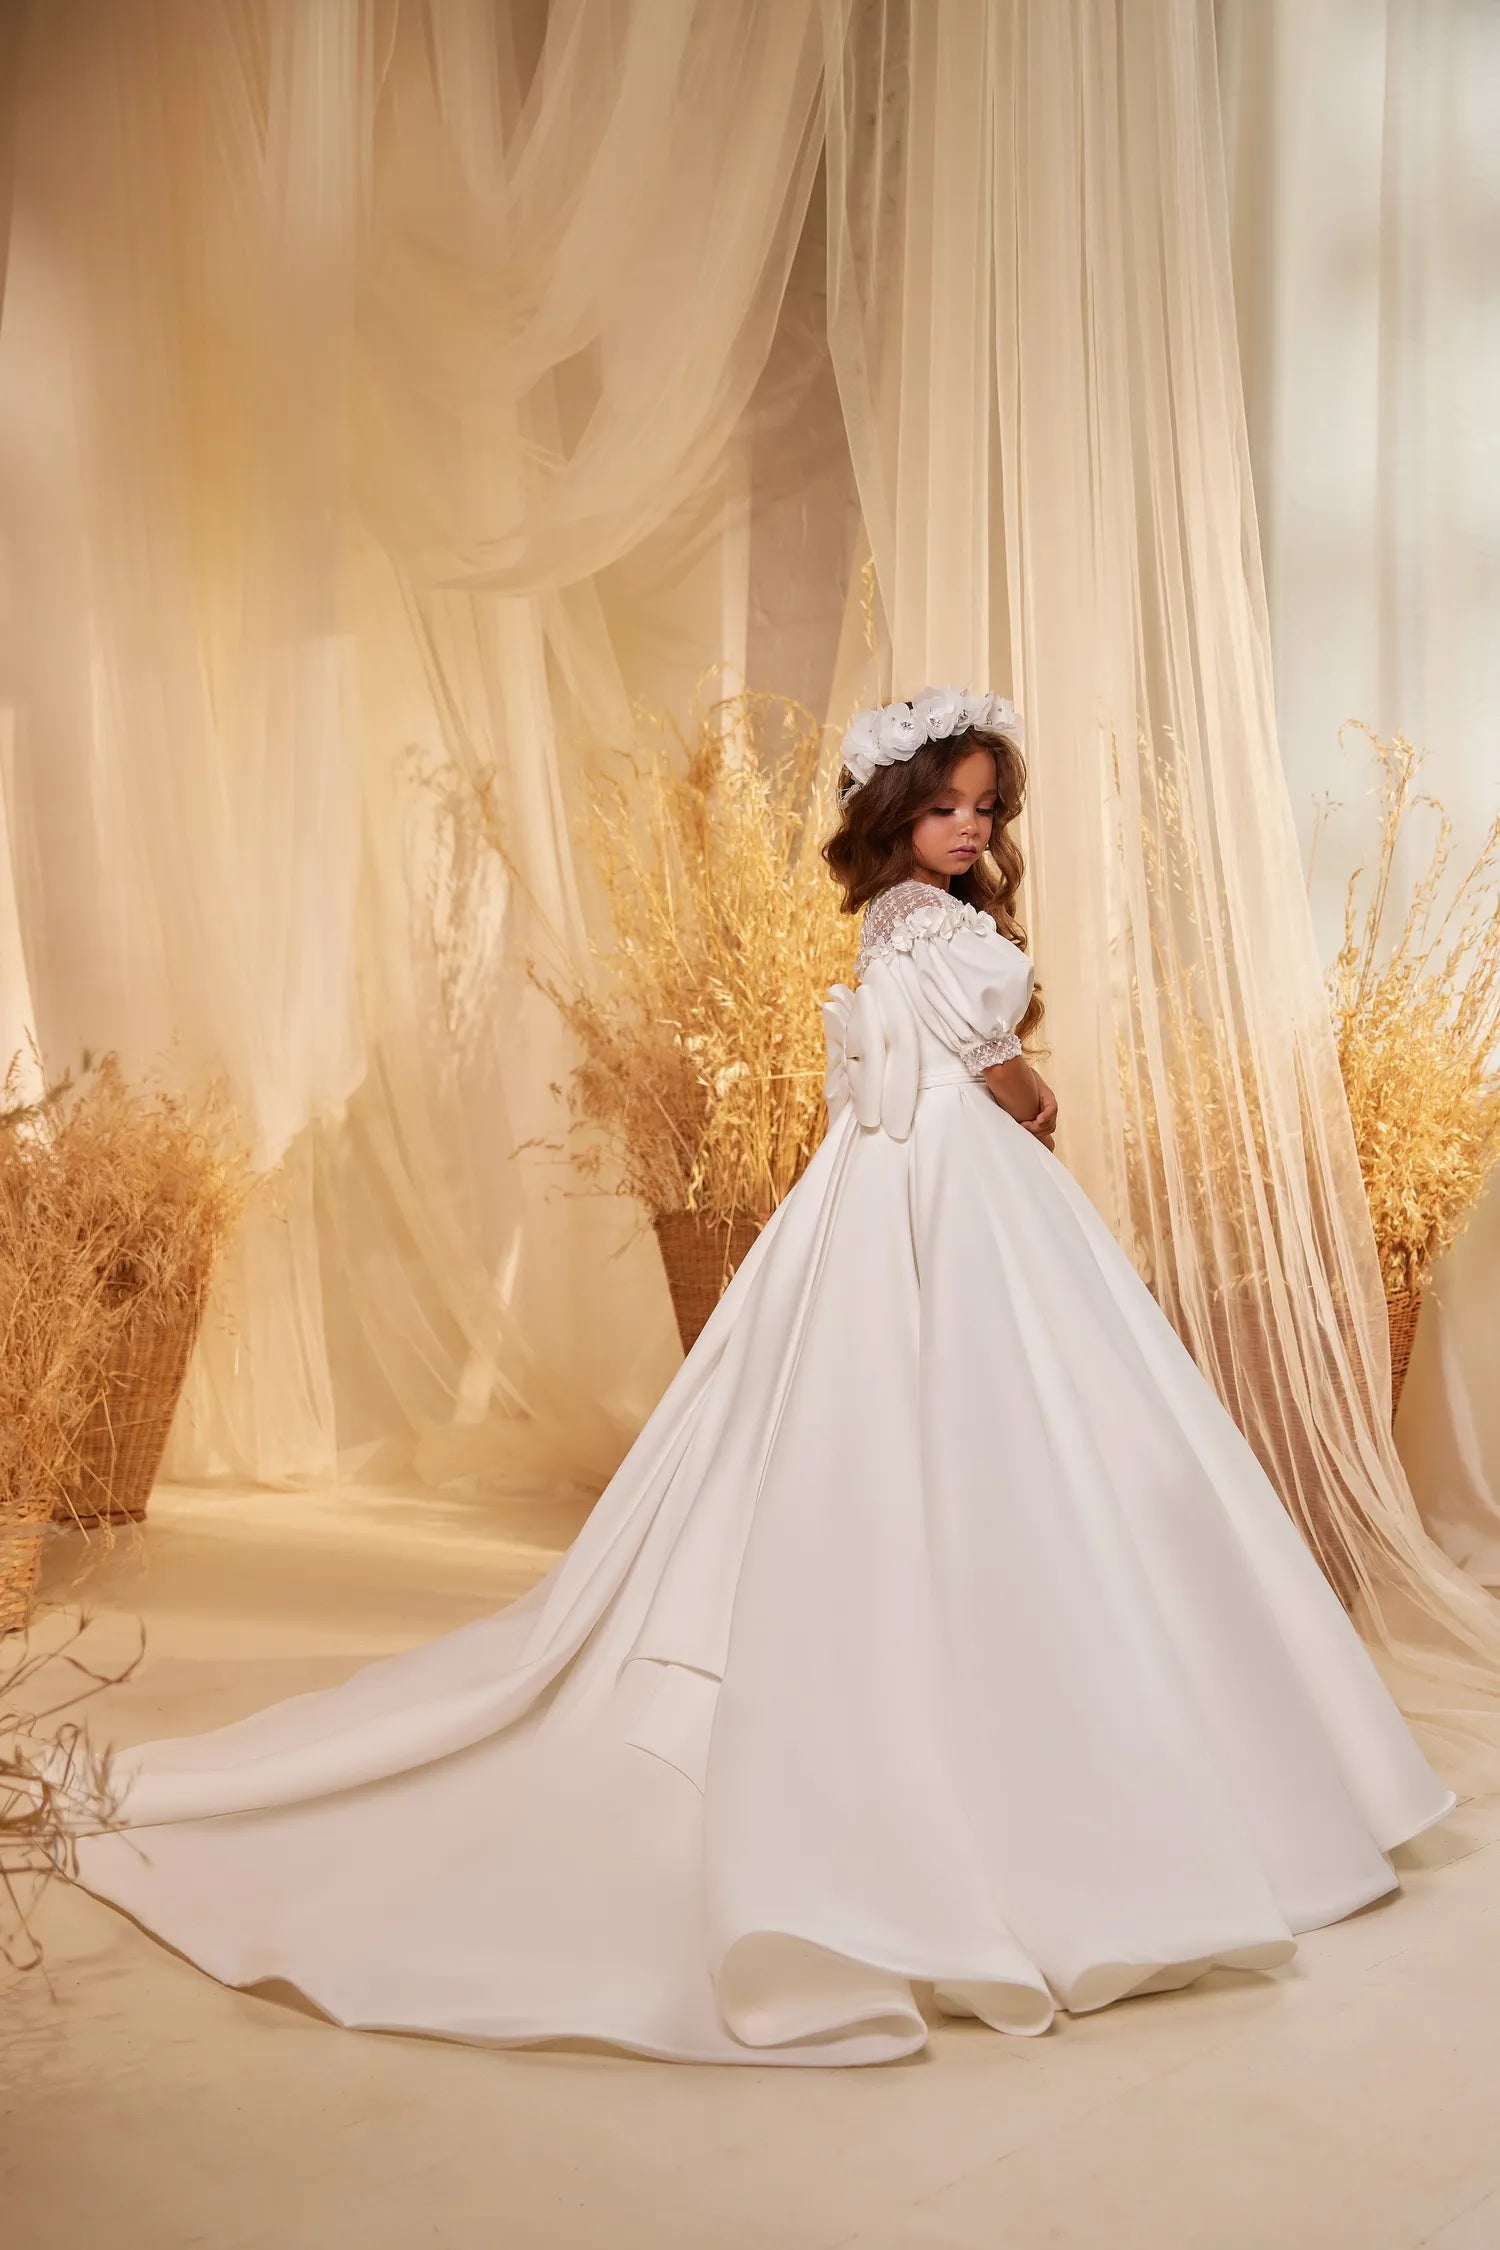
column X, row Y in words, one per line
column 896, row 918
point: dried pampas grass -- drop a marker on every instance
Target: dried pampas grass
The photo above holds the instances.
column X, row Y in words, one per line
column 1417, row 1015
column 701, row 1079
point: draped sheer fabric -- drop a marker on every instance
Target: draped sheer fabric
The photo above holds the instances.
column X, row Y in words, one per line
column 383, row 391
column 1033, row 328
column 345, row 347
column 1364, row 181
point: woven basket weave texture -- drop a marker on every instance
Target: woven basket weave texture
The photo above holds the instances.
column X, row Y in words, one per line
column 122, row 1446
column 23, row 1531
column 699, row 1257
column 1402, row 1313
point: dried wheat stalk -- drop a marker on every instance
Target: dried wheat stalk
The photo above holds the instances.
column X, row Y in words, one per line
column 702, row 1066
column 1417, row 1017
column 53, row 1784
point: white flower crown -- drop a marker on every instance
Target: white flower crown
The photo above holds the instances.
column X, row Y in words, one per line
column 895, row 732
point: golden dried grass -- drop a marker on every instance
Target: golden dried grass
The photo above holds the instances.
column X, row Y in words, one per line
column 701, row 1078
column 1417, row 1016
column 1416, row 1012
column 159, row 1180
column 58, row 1315
column 113, row 1200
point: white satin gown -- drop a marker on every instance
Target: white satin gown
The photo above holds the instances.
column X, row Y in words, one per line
column 940, row 1646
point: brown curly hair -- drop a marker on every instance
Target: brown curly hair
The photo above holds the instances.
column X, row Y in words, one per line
column 871, row 848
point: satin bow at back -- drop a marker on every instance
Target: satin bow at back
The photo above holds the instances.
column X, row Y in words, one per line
column 874, row 1058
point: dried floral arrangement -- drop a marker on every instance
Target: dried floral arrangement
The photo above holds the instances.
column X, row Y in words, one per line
column 702, row 1066
column 53, row 1782
column 161, row 1181
column 1417, row 1014
column 114, row 1202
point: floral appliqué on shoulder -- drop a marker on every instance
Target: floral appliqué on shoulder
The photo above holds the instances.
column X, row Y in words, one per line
column 897, row 918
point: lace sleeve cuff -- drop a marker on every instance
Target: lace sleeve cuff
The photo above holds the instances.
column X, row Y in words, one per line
column 983, row 1054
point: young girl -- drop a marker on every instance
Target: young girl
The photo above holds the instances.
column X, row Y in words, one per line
column 939, row 1647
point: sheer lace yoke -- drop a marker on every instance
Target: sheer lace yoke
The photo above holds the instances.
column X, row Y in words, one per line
column 895, row 919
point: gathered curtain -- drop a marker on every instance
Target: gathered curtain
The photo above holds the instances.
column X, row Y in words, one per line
column 352, row 352
column 1364, row 179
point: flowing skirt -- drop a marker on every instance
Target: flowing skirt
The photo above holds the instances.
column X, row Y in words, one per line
column 940, row 1644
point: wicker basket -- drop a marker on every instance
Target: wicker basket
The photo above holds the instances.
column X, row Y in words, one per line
column 700, row 1256
column 23, row 1533
column 1402, row 1312
column 126, row 1436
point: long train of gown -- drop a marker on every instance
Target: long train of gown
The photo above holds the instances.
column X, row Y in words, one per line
column 940, row 1631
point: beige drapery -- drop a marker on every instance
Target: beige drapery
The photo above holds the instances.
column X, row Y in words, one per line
column 1365, row 206
column 379, row 383
column 355, row 355
column 1033, row 327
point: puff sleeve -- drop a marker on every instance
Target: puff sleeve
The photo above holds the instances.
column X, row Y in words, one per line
column 971, row 988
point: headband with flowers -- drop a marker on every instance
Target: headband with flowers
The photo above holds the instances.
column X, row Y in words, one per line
column 894, row 733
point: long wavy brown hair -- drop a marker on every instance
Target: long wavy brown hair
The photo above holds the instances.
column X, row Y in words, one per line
column 872, row 846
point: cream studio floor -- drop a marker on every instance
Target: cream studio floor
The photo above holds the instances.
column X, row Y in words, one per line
column 1352, row 2102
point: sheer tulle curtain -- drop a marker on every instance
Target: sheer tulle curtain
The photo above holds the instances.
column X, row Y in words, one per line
column 1034, row 336
column 1365, row 204
column 352, row 354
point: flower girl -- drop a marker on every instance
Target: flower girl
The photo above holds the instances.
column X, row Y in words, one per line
column 940, row 1646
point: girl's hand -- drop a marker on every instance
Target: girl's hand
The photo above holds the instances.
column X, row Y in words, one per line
column 1023, row 1096
column 1044, row 1124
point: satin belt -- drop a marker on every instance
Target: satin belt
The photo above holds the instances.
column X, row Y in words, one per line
column 947, row 1074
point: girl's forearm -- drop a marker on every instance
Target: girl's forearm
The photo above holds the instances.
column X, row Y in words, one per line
column 1013, row 1085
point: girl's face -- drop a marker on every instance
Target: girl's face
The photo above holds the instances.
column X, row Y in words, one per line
column 956, row 827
